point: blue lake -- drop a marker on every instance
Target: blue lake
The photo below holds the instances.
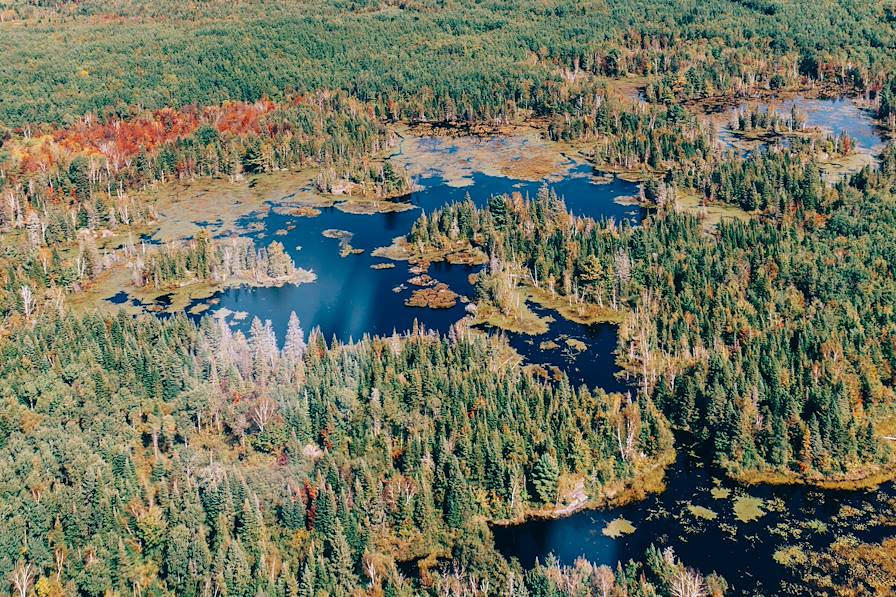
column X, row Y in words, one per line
column 350, row 299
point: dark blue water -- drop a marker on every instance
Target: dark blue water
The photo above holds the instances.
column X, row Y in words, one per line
column 350, row 299
column 742, row 552
column 594, row 366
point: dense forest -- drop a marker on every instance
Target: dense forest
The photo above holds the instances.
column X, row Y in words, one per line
column 749, row 337
column 174, row 455
column 422, row 59
column 148, row 455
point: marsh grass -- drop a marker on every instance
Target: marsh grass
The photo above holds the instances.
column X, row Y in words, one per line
column 702, row 512
column 720, row 493
column 790, row 556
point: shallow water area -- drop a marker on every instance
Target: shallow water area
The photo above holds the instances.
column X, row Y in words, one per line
column 832, row 116
column 360, row 294
column 710, row 523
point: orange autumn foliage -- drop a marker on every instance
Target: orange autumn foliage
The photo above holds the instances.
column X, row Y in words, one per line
column 119, row 141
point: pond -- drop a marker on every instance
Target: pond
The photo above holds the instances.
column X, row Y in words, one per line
column 834, row 116
column 350, row 298
column 712, row 524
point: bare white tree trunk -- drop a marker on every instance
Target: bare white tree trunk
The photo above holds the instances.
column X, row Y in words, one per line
column 22, row 578
column 27, row 301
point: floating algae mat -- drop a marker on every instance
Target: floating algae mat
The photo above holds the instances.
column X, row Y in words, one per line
column 748, row 508
column 618, row 527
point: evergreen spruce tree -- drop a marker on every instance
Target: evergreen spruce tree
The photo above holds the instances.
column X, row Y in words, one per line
column 294, row 346
column 545, row 478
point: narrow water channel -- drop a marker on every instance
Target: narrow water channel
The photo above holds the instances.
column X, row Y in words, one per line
column 708, row 521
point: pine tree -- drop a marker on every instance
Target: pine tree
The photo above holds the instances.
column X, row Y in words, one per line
column 340, row 561
column 249, row 532
column 497, row 206
column 456, row 496
column 292, row 514
column 294, row 346
column 237, row 571
column 545, row 478
column 325, row 515
column 309, row 577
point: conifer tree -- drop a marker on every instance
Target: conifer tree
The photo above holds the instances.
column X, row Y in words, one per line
column 545, row 478
column 294, row 346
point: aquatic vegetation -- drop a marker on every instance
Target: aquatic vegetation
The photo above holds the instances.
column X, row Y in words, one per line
column 774, row 504
column 345, row 238
column 848, row 511
column 305, row 211
column 576, row 344
column 618, row 527
column 702, row 512
column 521, row 319
column 816, row 526
column 198, row 308
column 519, row 152
column 729, row 530
column 785, row 530
column 790, row 556
column 720, row 493
column 358, row 206
column 656, row 513
column 438, row 296
column 748, row 508
column 851, row 567
column 421, row 280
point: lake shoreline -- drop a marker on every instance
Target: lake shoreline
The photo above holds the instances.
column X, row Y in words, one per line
column 621, row 493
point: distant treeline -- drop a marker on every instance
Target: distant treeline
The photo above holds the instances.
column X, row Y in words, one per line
column 421, row 59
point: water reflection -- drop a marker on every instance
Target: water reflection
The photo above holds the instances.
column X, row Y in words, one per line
column 834, row 116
